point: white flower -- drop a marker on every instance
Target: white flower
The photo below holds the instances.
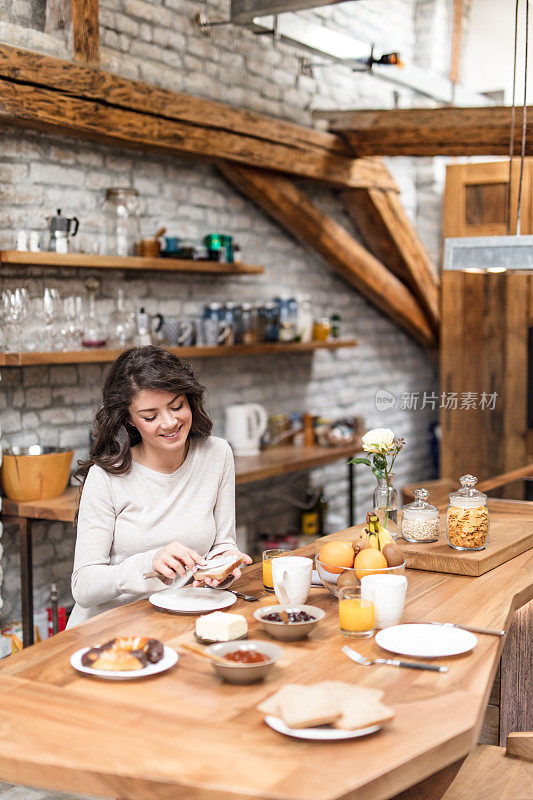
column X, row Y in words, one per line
column 378, row 440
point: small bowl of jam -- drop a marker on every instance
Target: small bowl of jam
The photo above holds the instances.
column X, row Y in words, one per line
column 247, row 662
column 295, row 623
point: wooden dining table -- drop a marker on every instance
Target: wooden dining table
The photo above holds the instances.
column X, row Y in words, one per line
column 186, row 734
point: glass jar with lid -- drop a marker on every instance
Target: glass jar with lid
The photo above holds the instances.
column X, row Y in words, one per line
column 420, row 520
column 249, row 323
column 122, row 210
column 467, row 517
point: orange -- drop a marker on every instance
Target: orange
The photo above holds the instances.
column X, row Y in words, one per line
column 336, row 554
column 369, row 562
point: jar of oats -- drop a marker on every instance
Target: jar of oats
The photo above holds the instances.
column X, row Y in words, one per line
column 420, row 520
column 467, row 517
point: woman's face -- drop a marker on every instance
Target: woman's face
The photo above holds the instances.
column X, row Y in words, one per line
column 162, row 418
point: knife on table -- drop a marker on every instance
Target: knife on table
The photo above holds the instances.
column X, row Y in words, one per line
column 471, row 628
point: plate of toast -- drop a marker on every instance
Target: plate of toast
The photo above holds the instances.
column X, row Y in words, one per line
column 324, row 733
column 326, row 711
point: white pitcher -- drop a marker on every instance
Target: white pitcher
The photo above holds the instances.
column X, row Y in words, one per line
column 245, row 424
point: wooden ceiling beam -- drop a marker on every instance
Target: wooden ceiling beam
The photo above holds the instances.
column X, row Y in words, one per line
column 389, row 235
column 446, row 131
column 294, row 211
column 86, row 31
column 44, row 110
column 54, row 92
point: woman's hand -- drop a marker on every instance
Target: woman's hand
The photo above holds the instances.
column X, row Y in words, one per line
column 236, row 572
column 176, row 558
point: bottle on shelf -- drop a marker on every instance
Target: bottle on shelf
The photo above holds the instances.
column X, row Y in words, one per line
column 313, row 516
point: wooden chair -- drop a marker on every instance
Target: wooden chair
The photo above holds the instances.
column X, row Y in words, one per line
column 487, row 773
column 495, row 773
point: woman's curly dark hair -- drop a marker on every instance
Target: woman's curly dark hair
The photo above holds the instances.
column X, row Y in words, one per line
column 136, row 369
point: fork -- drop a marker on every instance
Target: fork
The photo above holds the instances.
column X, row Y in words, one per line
column 250, row 598
column 393, row 662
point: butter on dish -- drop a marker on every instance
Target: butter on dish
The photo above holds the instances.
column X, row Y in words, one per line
column 221, row 626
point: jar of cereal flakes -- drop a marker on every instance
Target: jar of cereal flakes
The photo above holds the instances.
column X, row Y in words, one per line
column 467, row 517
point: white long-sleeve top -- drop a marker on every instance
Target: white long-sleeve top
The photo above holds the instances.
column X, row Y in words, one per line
column 124, row 519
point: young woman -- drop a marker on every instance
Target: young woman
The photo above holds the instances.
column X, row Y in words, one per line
column 158, row 490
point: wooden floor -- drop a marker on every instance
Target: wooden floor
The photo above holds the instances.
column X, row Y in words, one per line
column 10, row 792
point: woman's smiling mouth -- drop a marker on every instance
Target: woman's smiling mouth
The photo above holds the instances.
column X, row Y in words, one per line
column 173, row 435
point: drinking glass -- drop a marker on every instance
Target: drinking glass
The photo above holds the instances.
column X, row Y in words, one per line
column 51, row 317
column 387, row 592
column 15, row 305
column 356, row 614
column 4, row 320
column 71, row 333
column 268, row 555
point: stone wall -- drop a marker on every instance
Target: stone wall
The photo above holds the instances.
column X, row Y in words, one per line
column 159, row 43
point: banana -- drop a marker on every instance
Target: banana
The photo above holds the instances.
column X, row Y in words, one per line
column 371, row 530
column 374, row 541
column 384, row 536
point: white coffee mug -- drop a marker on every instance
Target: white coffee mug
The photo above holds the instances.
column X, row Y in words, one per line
column 294, row 572
column 387, row 592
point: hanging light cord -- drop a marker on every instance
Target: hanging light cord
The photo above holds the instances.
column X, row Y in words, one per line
column 524, row 122
column 511, row 143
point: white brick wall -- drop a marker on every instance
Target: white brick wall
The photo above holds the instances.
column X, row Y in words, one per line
column 158, row 42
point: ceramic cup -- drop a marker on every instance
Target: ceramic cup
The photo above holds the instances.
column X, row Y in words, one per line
column 295, row 573
column 179, row 333
column 387, row 592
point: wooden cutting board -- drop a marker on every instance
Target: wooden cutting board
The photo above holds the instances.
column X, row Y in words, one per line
column 506, row 540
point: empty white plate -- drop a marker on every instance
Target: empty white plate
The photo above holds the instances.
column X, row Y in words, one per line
column 169, row 659
column 324, row 733
column 191, row 600
column 425, row 641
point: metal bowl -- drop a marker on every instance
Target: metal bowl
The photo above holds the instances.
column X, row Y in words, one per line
column 34, row 450
column 244, row 673
column 289, row 631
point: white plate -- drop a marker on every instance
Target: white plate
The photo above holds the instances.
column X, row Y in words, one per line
column 169, row 659
column 425, row 641
column 192, row 600
column 322, row 734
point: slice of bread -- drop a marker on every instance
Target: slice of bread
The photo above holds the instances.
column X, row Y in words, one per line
column 271, row 704
column 219, row 568
column 307, row 706
column 360, row 713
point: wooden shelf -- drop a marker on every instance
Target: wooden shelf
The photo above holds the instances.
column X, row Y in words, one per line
column 84, row 261
column 267, row 464
column 102, row 355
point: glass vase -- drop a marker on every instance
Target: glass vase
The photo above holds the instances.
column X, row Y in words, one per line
column 385, row 501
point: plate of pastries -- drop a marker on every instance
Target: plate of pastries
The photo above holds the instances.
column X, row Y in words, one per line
column 125, row 657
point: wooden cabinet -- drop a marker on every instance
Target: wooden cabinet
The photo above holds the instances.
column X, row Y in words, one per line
column 487, row 328
column 476, row 199
column 486, row 322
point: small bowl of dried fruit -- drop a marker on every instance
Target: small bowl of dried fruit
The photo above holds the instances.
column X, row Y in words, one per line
column 289, row 622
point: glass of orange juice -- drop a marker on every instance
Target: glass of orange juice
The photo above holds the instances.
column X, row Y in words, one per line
column 267, row 567
column 356, row 615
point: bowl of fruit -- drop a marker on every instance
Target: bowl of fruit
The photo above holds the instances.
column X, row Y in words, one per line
column 373, row 551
